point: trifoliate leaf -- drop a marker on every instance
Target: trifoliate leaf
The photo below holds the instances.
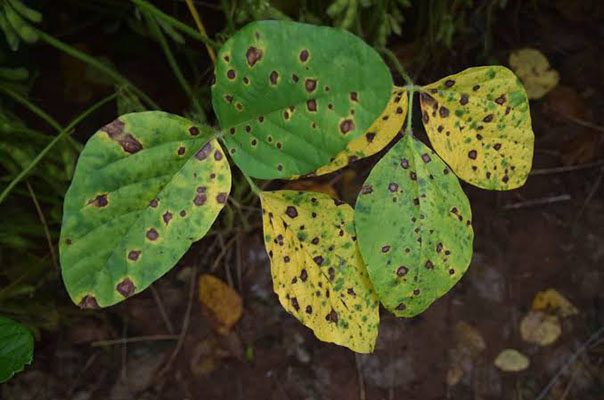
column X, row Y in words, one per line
column 414, row 227
column 317, row 269
column 479, row 122
column 146, row 186
column 291, row 96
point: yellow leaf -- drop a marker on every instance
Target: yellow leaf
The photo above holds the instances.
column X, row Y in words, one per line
column 317, row 269
column 510, row 360
column 219, row 302
column 552, row 300
column 479, row 122
column 540, row 328
column 383, row 130
column 533, row 68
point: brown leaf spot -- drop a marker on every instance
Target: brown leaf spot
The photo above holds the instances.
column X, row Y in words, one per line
column 311, row 105
column 88, row 302
column 133, row 255
column 318, row 260
column 231, row 74
column 346, row 126
column 99, row 201
column 167, row 217
column 463, row 100
column 449, row 83
column 402, row 270
column 274, row 77
column 497, row 146
column 303, row 55
column 253, row 55
column 291, row 211
column 385, row 249
column 405, row 163
column 472, row 154
column 308, row 310
column 194, row 131
column 310, row 84
column 393, row 187
column 429, row 265
column 475, row 87
column 443, row 112
column 370, row 136
column 221, row 198
column 332, row 316
column 366, row 189
column 500, row 100
column 200, row 199
column 425, row 117
column 303, row 275
column 152, row 234
column 488, row 118
column 354, row 96
column 217, row 155
column 181, row 150
column 426, row 158
column 126, row 287
column 204, row 152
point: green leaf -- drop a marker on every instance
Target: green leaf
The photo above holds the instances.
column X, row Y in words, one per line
column 290, row 96
column 146, row 186
column 479, row 122
column 414, row 227
column 16, row 348
column 317, row 269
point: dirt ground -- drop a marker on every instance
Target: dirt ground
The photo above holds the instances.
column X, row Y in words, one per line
column 521, row 248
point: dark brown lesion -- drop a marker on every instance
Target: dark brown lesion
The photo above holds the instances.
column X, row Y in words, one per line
column 311, row 105
column 310, row 84
column 126, row 287
column 203, row 153
column 346, row 126
column 167, row 216
column 253, row 55
column 274, row 77
column 332, row 316
column 88, row 302
column 152, row 234
column 221, row 197
column 99, row 201
column 304, row 55
column 115, row 131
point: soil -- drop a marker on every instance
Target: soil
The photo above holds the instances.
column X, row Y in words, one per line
column 520, row 249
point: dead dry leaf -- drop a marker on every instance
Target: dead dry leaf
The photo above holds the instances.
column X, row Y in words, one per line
column 469, row 343
column 220, row 303
column 532, row 67
column 540, row 328
column 552, row 301
column 510, row 360
column 312, row 186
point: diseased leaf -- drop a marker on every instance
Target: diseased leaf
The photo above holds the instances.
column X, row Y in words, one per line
column 146, row 186
column 511, row 360
column 16, row 348
column 317, row 269
column 221, row 303
column 291, row 96
column 533, row 68
column 414, row 227
column 479, row 122
column 378, row 136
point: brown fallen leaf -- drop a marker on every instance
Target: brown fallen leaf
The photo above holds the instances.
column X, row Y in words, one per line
column 540, row 328
column 553, row 302
column 220, row 303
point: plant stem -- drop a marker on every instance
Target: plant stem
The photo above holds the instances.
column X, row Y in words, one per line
column 409, row 128
column 93, row 62
column 33, row 108
column 201, row 29
column 397, row 65
column 65, row 132
column 252, row 184
column 174, row 65
column 175, row 23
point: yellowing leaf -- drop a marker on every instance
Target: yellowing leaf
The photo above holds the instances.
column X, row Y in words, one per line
column 533, row 68
column 540, row 328
column 317, row 269
column 469, row 340
column 219, row 302
column 479, row 122
column 552, row 300
column 383, row 130
column 510, row 360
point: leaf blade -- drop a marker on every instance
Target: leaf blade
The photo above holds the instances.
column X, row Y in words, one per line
column 317, row 271
column 16, row 348
column 479, row 122
column 146, row 186
column 413, row 224
column 286, row 104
